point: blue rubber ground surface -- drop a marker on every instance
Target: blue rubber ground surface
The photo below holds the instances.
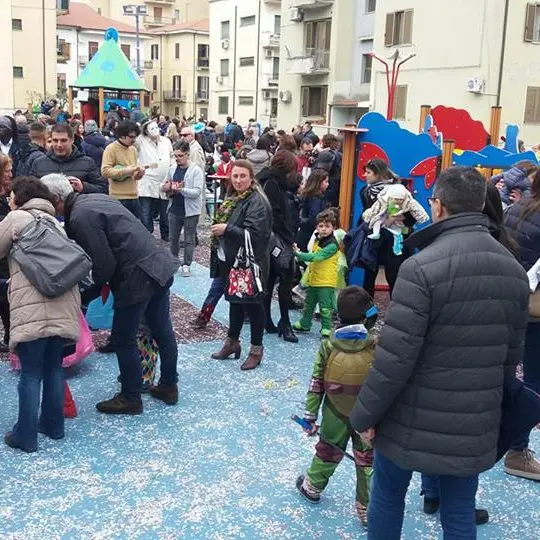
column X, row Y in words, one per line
column 220, row 465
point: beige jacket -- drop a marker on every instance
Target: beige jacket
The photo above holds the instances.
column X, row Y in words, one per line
column 34, row 316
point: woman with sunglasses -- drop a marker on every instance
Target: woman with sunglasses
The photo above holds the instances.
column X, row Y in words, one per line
column 379, row 176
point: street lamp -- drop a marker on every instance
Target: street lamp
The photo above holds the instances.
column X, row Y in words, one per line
column 136, row 11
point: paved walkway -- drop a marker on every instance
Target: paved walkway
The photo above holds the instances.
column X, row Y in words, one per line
column 220, row 465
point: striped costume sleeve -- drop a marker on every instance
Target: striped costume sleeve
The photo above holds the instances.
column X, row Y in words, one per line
column 315, row 393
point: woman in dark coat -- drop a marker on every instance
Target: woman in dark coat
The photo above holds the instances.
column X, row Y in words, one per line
column 523, row 223
column 276, row 181
column 246, row 208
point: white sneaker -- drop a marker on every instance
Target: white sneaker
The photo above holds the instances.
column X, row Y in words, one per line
column 186, row 272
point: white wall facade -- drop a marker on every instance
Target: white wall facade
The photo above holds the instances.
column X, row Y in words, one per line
column 454, row 42
column 249, row 89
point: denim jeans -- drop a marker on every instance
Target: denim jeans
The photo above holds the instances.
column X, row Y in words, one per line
column 217, row 290
column 133, row 205
column 150, row 207
column 189, row 224
column 126, row 323
column 41, row 359
column 430, row 486
column 389, row 487
column 531, row 374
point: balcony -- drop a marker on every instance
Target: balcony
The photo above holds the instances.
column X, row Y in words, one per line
column 63, row 53
column 270, row 81
column 159, row 1
column 312, row 4
column 309, row 62
column 270, row 41
column 203, row 64
column 148, row 20
column 202, row 96
column 174, row 95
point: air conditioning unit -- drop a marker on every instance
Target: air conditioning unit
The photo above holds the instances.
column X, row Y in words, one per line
column 225, row 43
column 267, row 94
column 269, row 54
column 219, row 79
column 475, row 85
column 285, row 96
column 296, row 15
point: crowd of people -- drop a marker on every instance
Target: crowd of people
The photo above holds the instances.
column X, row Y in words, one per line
column 435, row 393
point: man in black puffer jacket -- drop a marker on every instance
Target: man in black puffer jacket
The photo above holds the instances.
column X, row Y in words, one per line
column 65, row 158
column 433, row 397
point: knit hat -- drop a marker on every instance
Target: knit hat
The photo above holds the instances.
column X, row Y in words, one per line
column 90, row 126
column 352, row 304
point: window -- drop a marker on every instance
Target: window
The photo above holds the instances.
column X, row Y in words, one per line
column 177, row 112
column 126, row 49
column 247, row 61
column 225, row 29
column 177, row 16
column 247, row 21
column 203, row 87
column 370, row 6
column 223, row 105
column 63, row 50
column 224, row 67
column 400, row 102
column 61, row 83
column 154, row 52
column 245, row 100
column 277, row 25
column 274, row 107
column 62, row 5
column 203, row 112
column 275, row 67
column 16, row 24
column 158, row 14
column 314, row 100
column 93, row 47
column 177, row 86
column 532, row 105
column 177, row 50
column 532, row 23
column 18, row 72
column 367, row 62
column 398, row 29
column 202, row 56
column 154, row 82
column 317, row 35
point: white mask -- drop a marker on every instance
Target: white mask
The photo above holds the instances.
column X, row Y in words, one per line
column 153, row 130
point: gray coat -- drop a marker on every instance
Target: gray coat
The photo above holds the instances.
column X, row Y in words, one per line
column 456, row 321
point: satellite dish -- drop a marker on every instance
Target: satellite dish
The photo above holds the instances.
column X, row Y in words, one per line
column 111, row 34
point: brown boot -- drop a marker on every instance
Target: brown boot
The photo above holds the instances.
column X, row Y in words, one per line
column 254, row 358
column 231, row 346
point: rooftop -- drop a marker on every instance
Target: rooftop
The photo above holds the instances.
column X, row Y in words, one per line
column 83, row 16
column 202, row 25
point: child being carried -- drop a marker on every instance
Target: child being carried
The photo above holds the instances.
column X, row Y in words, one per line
column 393, row 201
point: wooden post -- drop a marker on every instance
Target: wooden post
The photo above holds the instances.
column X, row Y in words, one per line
column 101, row 105
column 70, row 99
column 348, row 175
column 425, row 110
column 448, row 154
column 495, row 125
column 142, row 96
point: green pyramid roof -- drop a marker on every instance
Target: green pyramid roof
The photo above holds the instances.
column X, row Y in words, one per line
column 109, row 68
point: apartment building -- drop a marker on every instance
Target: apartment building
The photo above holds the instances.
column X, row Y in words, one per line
column 458, row 59
column 80, row 32
column 245, row 38
column 28, row 44
column 326, row 71
column 159, row 13
column 179, row 69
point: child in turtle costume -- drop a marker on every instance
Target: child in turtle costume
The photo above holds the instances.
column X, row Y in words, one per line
column 341, row 366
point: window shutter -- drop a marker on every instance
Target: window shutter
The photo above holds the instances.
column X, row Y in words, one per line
column 324, row 100
column 407, row 26
column 305, row 101
column 531, row 105
column 529, row 22
column 389, row 30
column 400, row 102
column 309, row 37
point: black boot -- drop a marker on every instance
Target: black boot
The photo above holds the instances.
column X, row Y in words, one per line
column 286, row 332
column 119, row 404
column 431, row 506
column 168, row 393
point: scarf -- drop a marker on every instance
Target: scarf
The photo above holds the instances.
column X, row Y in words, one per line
column 227, row 208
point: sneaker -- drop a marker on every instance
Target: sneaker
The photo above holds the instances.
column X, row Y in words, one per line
column 431, row 506
column 168, row 393
column 314, row 499
column 119, row 404
column 523, row 464
column 186, row 272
